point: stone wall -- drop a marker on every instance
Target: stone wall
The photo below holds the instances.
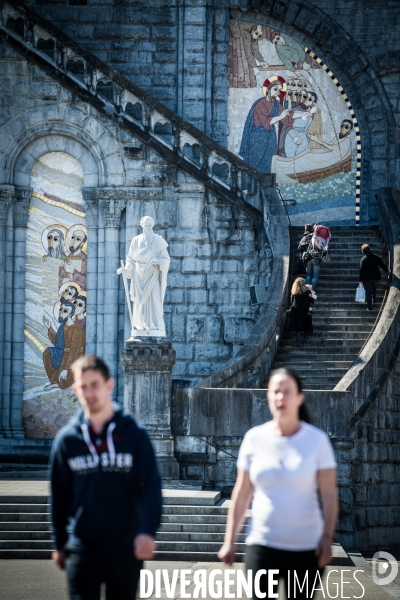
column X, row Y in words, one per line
column 180, row 54
column 216, row 251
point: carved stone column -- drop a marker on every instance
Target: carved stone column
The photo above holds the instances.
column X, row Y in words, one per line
column 6, row 195
column 147, row 395
column 92, row 223
column 21, row 214
column 112, row 202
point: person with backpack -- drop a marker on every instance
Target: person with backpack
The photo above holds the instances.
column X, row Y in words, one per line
column 303, row 246
column 370, row 273
column 106, row 498
column 317, row 251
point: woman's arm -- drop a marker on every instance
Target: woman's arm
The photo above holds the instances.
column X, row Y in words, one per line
column 241, row 497
column 326, row 480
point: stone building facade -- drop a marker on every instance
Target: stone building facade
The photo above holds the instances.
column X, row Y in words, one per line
column 86, row 149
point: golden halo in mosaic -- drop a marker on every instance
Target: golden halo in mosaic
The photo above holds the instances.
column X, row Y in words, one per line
column 50, row 228
column 275, row 79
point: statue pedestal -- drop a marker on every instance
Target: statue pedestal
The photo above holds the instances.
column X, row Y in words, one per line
column 147, row 395
column 135, row 333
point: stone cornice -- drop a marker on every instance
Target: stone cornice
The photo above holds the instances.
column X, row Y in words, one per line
column 126, row 194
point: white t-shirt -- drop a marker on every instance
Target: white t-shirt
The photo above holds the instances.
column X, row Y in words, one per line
column 283, row 471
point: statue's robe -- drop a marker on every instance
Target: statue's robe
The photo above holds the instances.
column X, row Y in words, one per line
column 260, row 138
column 68, row 345
column 148, row 281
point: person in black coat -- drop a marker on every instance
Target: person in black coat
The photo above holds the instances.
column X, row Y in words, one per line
column 301, row 300
column 370, row 273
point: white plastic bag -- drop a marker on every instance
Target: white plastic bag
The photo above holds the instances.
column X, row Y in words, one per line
column 360, row 293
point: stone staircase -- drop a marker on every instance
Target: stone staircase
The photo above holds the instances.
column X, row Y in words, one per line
column 192, row 528
column 341, row 326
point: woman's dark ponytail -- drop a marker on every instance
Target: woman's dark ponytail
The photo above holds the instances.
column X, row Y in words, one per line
column 304, row 413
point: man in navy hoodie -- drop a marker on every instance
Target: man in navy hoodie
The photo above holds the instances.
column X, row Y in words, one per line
column 106, row 491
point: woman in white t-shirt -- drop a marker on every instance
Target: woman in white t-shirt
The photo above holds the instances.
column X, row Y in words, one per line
column 281, row 466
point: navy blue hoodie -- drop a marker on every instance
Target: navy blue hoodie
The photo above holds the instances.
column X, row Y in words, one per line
column 106, row 487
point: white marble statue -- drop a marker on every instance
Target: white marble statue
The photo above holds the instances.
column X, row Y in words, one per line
column 147, row 265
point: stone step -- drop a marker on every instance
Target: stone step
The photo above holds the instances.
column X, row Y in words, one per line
column 20, row 473
column 24, row 508
column 25, row 517
column 9, row 499
column 350, row 335
column 207, row 519
column 325, row 285
column 320, row 383
column 200, row 538
column 309, row 369
column 26, row 526
column 188, row 547
column 321, row 320
column 26, row 545
column 25, row 535
column 323, row 328
column 194, row 510
column 318, row 344
column 198, row 498
column 191, row 527
column 25, row 554
column 323, row 366
column 192, row 556
column 300, row 354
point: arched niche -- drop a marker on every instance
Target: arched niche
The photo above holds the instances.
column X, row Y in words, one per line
column 35, row 149
column 55, row 288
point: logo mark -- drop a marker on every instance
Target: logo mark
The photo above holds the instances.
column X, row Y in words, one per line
column 380, row 568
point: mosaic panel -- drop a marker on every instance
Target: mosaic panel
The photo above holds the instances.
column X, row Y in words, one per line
column 55, row 296
column 288, row 115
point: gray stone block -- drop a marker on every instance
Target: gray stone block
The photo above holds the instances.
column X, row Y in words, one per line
column 197, row 297
column 195, row 265
column 237, row 330
column 195, row 329
column 212, row 352
column 213, row 332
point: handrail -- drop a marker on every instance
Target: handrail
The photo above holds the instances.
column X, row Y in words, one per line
column 385, row 332
column 215, row 166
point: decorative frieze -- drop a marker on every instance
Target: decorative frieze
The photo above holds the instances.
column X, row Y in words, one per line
column 21, row 206
column 112, row 211
column 133, row 193
column 91, row 207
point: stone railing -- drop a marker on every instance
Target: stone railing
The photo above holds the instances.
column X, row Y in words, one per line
column 149, row 120
column 372, row 367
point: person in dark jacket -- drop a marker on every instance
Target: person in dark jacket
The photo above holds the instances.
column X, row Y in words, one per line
column 106, row 499
column 370, row 273
column 301, row 301
column 303, row 246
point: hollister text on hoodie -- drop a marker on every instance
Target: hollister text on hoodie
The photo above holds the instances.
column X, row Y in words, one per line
column 106, row 488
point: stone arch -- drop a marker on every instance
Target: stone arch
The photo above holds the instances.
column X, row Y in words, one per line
column 337, row 49
column 32, row 133
column 36, row 148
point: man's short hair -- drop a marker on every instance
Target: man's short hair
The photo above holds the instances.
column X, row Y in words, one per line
column 308, row 228
column 365, row 249
column 91, row 362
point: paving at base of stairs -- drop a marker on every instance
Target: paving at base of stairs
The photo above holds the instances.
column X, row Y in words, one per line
column 341, row 326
